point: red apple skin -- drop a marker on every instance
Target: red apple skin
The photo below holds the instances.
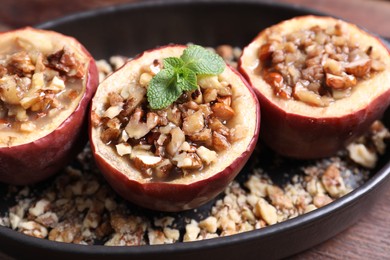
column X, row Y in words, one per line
column 165, row 196
column 323, row 137
column 35, row 161
column 304, row 137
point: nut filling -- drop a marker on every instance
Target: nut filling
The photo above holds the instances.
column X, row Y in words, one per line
column 316, row 66
column 168, row 143
column 34, row 87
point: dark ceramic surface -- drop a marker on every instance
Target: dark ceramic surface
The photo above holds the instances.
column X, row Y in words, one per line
column 130, row 29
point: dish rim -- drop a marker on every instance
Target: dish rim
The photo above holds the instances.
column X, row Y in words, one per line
column 374, row 182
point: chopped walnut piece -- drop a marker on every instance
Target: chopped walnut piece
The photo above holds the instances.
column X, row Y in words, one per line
column 126, row 239
column 278, row 198
column 333, row 67
column 92, row 218
column 13, row 221
column 109, row 134
column 9, row 92
column 163, row 169
column 266, row 211
column 332, row 181
column 340, row 82
column 359, row 68
column 48, row 219
column 166, row 221
column 126, row 224
column 193, row 123
column 220, row 142
column 361, row 155
column 213, row 83
column 203, row 136
column 188, row 161
column 308, row 96
column 314, row 187
column 379, row 135
column 265, row 52
column 137, row 129
column 197, row 96
column 310, row 208
column 113, row 111
column 172, row 234
column 56, row 85
column 33, row 228
column 227, row 100
column 257, row 186
column 21, row 64
column 222, row 111
column 156, row 237
column 145, row 78
column 209, row 224
column 123, row 149
column 210, row 95
column 40, row 207
column 145, row 162
column 207, row 155
column 217, row 126
column 192, row 231
column 189, row 107
column 177, row 139
column 321, row 200
column 174, row 115
column 65, row 62
column 137, row 96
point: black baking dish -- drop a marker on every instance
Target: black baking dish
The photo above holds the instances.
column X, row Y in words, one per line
column 130, row 29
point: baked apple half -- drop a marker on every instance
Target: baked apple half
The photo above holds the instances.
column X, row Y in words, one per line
column 46, row 82
column 178, row 154
column 321, row 82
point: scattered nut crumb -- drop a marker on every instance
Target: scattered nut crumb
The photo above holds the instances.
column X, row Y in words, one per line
column 79, row 207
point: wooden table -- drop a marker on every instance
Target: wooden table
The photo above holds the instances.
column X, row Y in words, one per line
column 370, row 237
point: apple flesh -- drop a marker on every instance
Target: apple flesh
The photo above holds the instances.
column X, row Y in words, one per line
column 187, row 191
column 296, row 129
column 31, row 157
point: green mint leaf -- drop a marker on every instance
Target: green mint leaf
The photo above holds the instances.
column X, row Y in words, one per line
column 202, row 61
column 173, row 63
column 163, row 89
column 180, row 74
column 186, row 79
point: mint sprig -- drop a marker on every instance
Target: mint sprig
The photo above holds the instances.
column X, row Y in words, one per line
column 180, row 74
column 202, row 61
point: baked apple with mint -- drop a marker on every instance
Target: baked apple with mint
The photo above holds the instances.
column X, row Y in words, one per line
column 321, row 83
column 46, row 82
column 173, row 127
